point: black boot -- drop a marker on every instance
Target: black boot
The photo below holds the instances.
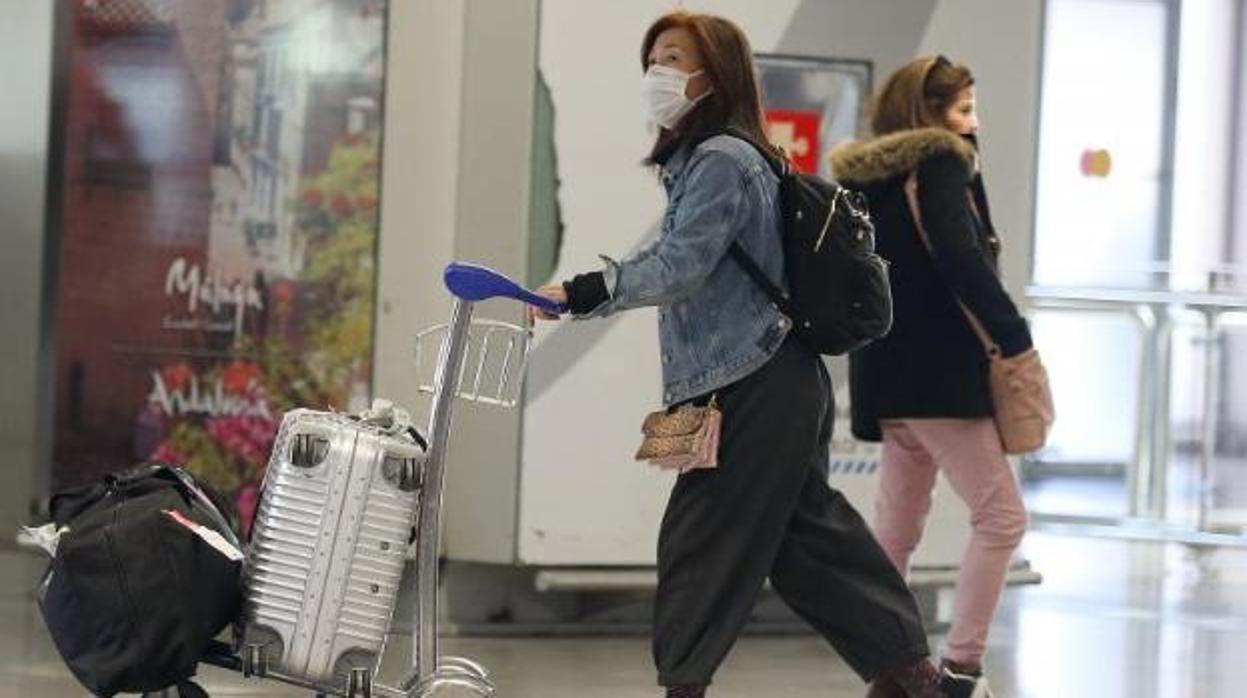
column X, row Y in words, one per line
column 686, row 691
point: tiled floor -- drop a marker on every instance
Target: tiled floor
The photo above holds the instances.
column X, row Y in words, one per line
column 1111, row 620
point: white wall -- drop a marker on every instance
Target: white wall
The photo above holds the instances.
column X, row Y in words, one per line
column 1000, row 41
column 885, row 32
column 1201, row 201
column 26, row 43
column 1237, row 371
column 419, row 200
column 459, row 92
column 1202, row 143
column 496, row 118
column 1240, row 214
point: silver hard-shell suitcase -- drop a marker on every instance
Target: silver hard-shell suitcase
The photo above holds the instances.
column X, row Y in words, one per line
column 331, row 533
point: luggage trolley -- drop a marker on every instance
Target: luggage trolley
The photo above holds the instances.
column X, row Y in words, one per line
column 322, row 570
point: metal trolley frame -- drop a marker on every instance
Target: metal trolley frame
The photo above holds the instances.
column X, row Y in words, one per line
column 430, row 670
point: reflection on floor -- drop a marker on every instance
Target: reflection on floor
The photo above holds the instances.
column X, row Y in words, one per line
column 1112, row 619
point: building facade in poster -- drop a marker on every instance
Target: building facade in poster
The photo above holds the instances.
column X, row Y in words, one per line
column 218, row 223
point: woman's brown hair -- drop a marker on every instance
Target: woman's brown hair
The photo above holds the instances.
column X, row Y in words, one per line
column 734, row 100
column 919, row 94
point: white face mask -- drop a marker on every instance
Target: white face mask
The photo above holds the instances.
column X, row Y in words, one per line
column 662, row 95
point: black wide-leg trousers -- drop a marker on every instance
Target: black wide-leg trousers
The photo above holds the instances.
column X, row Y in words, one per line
column 767, row 511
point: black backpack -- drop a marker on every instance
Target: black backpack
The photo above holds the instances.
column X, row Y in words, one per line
column 136, row 591
column 839, row 298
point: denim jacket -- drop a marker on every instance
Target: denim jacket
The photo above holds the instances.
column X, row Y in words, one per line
column 715, row 326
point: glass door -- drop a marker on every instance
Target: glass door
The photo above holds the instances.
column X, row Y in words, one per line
column 1139, row 290
column 1102, row 212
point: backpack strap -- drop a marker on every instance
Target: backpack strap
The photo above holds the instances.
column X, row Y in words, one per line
column 779, row 165
column 781, row 168
column 214, row 504
column 777, row 295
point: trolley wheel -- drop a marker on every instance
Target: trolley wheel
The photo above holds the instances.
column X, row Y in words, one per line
column 360, row 683
column 255, row 661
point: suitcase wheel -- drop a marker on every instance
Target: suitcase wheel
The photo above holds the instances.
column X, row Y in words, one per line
column 308, row 450
column 404, row 473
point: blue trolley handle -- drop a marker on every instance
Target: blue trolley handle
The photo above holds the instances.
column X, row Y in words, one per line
column 472, row 282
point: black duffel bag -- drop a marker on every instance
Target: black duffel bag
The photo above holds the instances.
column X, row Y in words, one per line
column 145, row 575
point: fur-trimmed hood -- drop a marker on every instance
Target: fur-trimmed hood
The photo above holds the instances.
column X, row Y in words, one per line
column 877, row 159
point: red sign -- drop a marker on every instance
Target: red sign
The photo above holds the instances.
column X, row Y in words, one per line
column 797, row 133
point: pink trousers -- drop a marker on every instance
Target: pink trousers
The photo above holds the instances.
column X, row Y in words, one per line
column 972, row 458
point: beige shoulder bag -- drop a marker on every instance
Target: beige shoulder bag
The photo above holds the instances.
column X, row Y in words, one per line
column 1021, row 395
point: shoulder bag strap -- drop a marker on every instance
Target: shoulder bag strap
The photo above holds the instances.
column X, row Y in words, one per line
column 911, row 194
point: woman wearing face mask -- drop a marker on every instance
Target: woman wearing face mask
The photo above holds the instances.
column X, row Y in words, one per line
column 766, row 510
column 923, row 389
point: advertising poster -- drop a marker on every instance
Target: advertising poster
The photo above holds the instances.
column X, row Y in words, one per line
column 215, row 253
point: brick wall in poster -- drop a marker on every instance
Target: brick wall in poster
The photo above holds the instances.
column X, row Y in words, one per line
column 137, row 195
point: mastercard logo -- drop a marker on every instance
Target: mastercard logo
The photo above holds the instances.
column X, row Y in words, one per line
column 1096, row 163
